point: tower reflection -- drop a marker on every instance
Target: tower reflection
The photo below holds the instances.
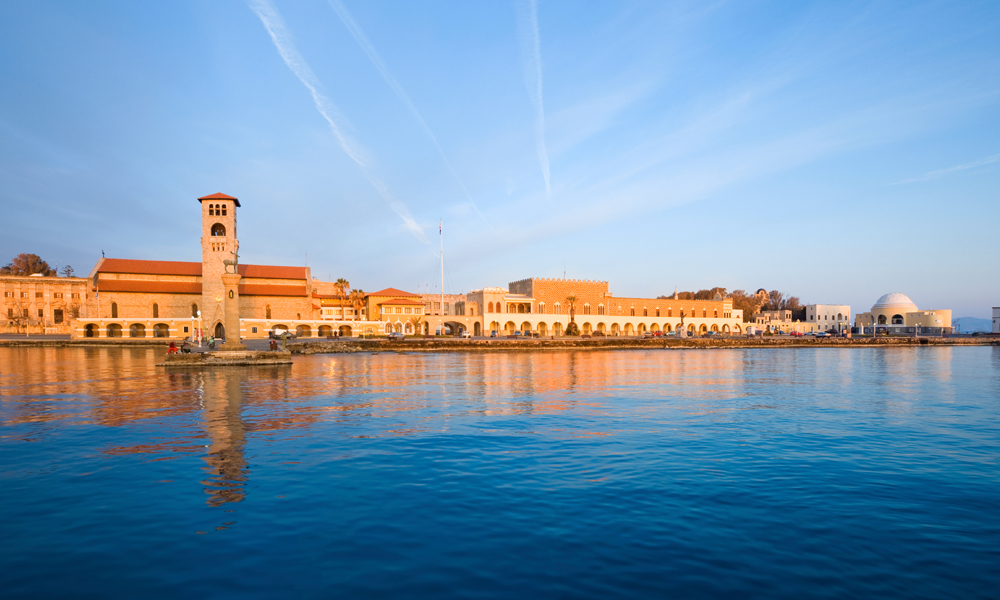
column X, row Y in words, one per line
column 227, row 470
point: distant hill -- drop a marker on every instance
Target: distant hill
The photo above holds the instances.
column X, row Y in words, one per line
column 971, row 324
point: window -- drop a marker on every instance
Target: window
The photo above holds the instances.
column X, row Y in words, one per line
column 10, row 313
column 194, row 310
column 57, row 295
column 812, row 317
column 156, row 311
column 24, row 313
column 704, row 313
column 114, row 310
column 39, row 295
column 223, row 210
column 716, row 313
column 418, row 311
column 211, row 210
column 253, row 330
column 57, row 315
column 557, row 309
column 600, row 309
column 632, row 312
column 409, row 311
column 76, row 295
column 670, row 312
column 218, row 230
column 185, row 329
column 541, row 308
column 489, row 307
column 657, row 311
column 645, row 311
column 8, row 294
column 267, row 311
column 586, row 309
column 24, row 294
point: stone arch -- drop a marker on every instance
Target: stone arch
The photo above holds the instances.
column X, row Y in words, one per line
column 114, row 330
column 161, row 330
column 666, row 328
column 640, row 329
column 278, row 330
column 897, row 319
column 703, row 328
column 218, row 230
column 408, row 329
column 587, row 329
column 600, row 327
column 220, row 331
column 543, row 329
column 398, row 327
column 325, row 331
column 629, row 330
column 654, row 327
column 615, row 329
column 725, row 328
column 477, row 329
column 691, row 327
column 90, row 330
column 715, row 328
column 881, row 320
column 137, row 330
column 345, row 331
column 557, row 329
column 737, row 328
column 388, row 328
column 509, row 327
column 303, row 331
column 526, row 327
column 495, row 326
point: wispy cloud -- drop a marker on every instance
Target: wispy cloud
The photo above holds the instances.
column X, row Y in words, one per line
column 383, row 69
column 531, row 57
column 942, row 172
column 289, row 53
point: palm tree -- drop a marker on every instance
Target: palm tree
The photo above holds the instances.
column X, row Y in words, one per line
column 415, row 321
column 342, row 286
column 572, row 329
column 357, row 302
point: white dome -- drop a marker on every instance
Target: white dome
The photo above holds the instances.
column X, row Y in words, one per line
column 894, row 300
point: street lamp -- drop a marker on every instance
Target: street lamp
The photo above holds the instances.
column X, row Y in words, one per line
column 199, row 329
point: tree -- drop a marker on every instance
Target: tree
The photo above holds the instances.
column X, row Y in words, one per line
column 342, row 287
column 748, row 303
column 27, row 264
column 572, row 328
column 415, row 321
column 67, row 271
column 775, row 300
column 357, row 302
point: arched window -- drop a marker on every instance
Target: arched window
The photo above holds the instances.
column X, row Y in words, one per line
column 211, row 210
column 557, row 309
column 600, row 309
column 223, row 210
column 840, row 316
column 897, row 319
column 881, row 319
column 541, row 308
column 704, row 313
column 632, row 311
column 156, row 311
column 114, row 310
column 194, row 310
column 586, row 309
column 645, row 311
column 657, row 311
column 670, row 312
column 267, row 311
column 218, row 230
column 716, row 313
column 489, row 307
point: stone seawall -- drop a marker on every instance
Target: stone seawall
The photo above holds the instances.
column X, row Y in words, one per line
column 226, row 359
column 455, row 345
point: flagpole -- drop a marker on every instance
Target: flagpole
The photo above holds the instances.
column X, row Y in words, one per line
column 441, row 235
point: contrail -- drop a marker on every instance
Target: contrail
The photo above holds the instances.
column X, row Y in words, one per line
column 935, row 174
column 373, row 55
column 286, row 48
column 531, row 56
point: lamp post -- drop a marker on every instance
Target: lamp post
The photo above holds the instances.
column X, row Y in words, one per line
column 199, row 329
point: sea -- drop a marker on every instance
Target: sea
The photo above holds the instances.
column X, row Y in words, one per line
column 661, row 473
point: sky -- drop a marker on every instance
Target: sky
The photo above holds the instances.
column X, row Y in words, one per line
column 833, row 151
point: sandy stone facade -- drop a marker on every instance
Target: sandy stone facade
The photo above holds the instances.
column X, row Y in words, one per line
column 42, row 305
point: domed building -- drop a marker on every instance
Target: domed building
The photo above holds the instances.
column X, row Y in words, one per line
column 895, row 313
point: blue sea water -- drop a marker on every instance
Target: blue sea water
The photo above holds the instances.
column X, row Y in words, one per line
column 791, row 473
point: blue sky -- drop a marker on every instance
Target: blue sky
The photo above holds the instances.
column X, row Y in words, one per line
column 835, row 151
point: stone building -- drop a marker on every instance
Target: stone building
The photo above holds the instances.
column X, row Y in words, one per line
column 895, row 313
column 829, row 316
column 172, row 299
column 38, row 304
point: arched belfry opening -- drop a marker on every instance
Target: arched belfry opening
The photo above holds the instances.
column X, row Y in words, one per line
column 218, row 230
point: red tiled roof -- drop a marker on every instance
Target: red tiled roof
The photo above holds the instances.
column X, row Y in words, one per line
column 394, row 292
column 150, row 287
column 397, row 301
column 149, row 267
column 219, row 196
column 254, row 289
column 272, row 272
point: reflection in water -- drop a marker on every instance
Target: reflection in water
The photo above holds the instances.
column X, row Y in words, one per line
column 227, row 470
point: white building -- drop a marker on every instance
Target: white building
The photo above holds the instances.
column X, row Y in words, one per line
column 996, row 319
column 895, row 313
column 829, row 316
